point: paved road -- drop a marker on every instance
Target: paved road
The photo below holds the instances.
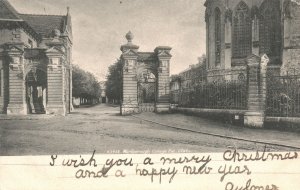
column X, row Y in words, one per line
column 101, row 128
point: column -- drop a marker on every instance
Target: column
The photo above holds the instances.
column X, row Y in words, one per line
column 163, row 79
column 1, row 86
column 71, row 86
column 56, row 83
column 17, row 89
column 4, row 91
column 129, row 57
column 129, row 101
column 254, row 117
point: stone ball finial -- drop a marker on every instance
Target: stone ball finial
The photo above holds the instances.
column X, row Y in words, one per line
column 129, row 36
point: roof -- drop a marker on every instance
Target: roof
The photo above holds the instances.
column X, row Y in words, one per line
column 144, row 56
column 45, row 24
column 8, row 12
column 40, row 24
column 192, row 67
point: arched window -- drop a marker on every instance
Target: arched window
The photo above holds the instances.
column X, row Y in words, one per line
column 269, row 28
column 241, row 43
column 218, row 36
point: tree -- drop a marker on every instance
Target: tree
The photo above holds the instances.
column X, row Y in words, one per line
column 114, row 84
column 85, row 84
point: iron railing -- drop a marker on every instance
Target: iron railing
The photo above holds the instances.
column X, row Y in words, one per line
column 283, row 95
column 213, row 95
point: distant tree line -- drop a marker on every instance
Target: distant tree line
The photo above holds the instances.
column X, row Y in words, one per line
column 114, row 88
column 85, row 85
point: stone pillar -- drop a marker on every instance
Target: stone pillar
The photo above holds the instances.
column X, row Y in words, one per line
column 291, row 37
column 254, row 117
column 71, row 86
column 56, row 83
column 2, row 100
column 129, row 57
column 163, row 79
column 17, row 89
column 4, row 83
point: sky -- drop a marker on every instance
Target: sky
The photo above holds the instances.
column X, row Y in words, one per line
column 100, row 26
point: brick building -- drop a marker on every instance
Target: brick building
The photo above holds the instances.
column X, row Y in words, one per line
column 238, row 29
column 35, row 62
column 190, row 77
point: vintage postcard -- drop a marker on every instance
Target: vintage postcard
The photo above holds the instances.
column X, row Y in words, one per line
column 150, row 94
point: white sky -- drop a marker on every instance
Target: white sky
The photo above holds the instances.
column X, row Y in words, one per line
column 99, row 27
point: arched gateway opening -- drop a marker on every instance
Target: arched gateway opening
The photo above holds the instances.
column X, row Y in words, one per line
column 36, row 90
column 146, row 91
column 145, row 78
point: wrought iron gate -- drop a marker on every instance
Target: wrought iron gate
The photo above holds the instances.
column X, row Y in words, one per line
column 146, row 96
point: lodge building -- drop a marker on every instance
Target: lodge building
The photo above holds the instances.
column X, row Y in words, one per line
column 35, row 62
column 238, row 29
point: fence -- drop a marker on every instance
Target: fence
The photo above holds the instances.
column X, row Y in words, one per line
column 283, row 95
column 213, row 95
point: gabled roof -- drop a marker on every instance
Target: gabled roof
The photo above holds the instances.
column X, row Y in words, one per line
column 42, row 25
column 45, row 24
column 8, row 12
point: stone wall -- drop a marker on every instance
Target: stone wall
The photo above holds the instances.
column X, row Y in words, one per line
column 10, row 35
column 16, row 34
column 291, row 49
column 25, row 37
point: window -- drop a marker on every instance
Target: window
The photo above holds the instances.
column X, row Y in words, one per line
column 218, row 36
column 241, row 44
column 269, row 29
column 208, row 44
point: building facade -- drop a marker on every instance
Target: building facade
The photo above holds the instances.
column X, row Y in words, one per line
column 35, row 62
column 238, row 29
column 190, row 77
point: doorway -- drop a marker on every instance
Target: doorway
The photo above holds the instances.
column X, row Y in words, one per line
column 147, row 92
column 36, row 91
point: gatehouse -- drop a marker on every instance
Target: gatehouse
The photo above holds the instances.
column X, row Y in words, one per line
column 35, row 62
column 145, row 78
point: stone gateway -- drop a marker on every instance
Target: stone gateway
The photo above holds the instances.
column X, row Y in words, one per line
column 145, row 78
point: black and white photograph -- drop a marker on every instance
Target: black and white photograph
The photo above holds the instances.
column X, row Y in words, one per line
column 168, row 90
